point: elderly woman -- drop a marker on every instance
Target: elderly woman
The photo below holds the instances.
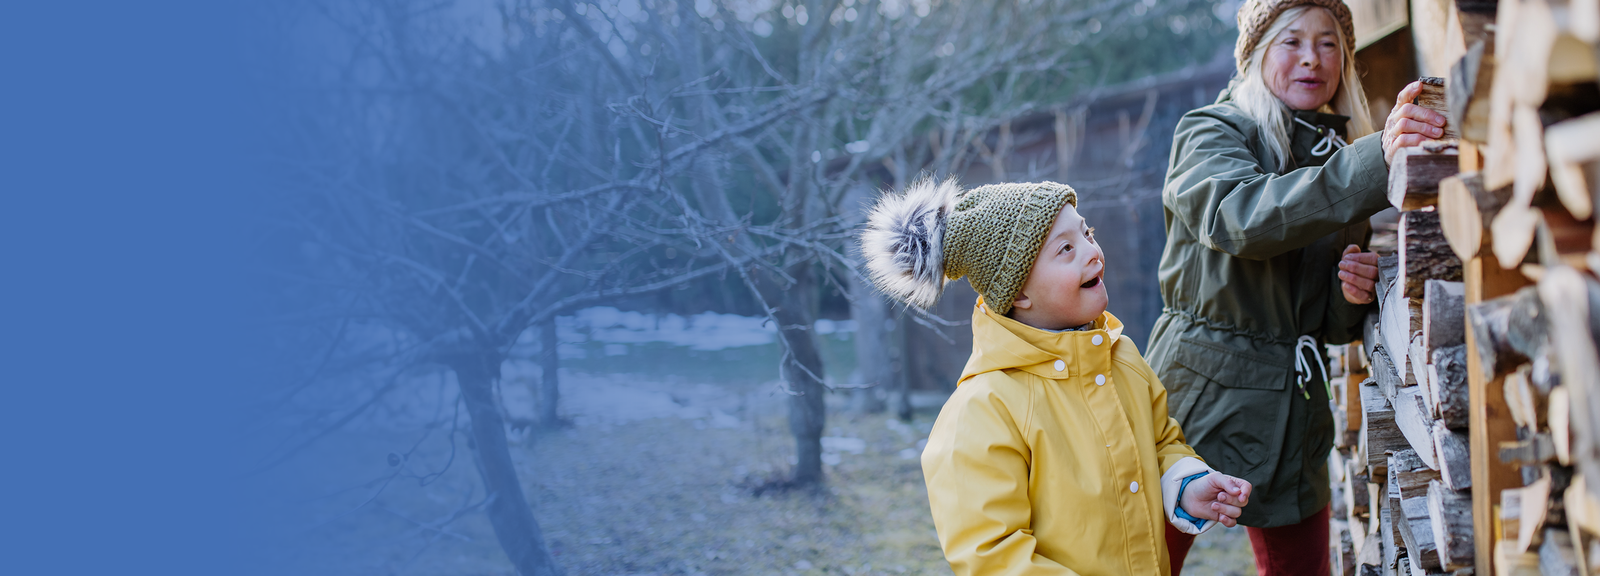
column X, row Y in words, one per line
column 1266, row 206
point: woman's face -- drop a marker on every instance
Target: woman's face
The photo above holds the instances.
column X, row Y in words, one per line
column 1302, row 64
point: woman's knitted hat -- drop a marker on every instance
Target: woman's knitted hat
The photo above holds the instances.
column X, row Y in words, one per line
column 1256, row 16
column 936, row 231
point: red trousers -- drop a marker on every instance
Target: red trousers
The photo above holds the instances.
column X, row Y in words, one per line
column 1294, row 550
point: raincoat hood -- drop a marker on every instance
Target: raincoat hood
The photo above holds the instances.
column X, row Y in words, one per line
column 1000, row 343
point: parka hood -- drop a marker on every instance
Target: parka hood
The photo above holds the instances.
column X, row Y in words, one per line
column 1001, row 343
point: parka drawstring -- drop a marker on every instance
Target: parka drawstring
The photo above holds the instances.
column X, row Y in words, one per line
column 1330, row 140
column 1302, row 368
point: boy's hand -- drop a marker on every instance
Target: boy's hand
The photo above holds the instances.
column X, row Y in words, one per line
column 1358, row 275
column 1217, row 497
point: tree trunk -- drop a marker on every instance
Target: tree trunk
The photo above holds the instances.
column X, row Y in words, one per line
column 514, row 525
column 897, row 354
column 549, row 384
column 801, row 369
column 874, row 371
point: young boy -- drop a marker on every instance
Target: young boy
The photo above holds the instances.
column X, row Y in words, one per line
column 1055, row 455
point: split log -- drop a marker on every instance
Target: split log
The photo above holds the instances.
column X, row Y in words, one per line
column 1508, row 331
column 1450, row 514
column 1455, row 457
column 1534, row 450
column 1573, row 147
column 1434, row 394
column 1369, row 561
column 1521, row 400
column 1434, row 97
column 1379, row 434
column 1350, row 410
column 1414, row 176
column 1415, row 426
column 1535, row 505
column 1449, row 373
column 1359, row 528
column 1578, row 298
column 1465, row 210
column 1410, row 474
column 1444, row 322
column 1386, row 373
column 1418, row 358
column 1415, row 529
column 1357, row 503
column 1509, row 562
column 1528, row 132
column 1424, row 252
column 1388, row 270
column 1500, row 151
column 1560, row 420
column 1583, row 510
column 1510, row 515
column 1556, row 557
column 1343, row 552
column 1467, row 92
column 1392, row 519
column 1511, row 232
column 1375, row 495
column 1402, row 318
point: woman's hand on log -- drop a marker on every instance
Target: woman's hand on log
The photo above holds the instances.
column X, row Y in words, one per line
column 1358, row 275
column 1409, row 124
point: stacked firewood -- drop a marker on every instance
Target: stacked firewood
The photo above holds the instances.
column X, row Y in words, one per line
column 1402, row 469
column 1469, row 415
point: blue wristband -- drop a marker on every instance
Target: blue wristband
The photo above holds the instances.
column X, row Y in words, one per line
column 1177, row 510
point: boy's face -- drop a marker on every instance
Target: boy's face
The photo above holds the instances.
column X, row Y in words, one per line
column 1066, row 287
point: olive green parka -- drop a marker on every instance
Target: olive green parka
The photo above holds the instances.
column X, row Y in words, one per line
column 1250, row 266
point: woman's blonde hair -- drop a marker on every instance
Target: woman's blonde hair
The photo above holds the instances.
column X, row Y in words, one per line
column 1258, row 102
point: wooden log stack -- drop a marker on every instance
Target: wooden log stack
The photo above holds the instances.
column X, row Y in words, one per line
column 1469, row 415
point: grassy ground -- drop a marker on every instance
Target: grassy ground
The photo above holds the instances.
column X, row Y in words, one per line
column 871, row 517
column 655, row 474
column 672, row 494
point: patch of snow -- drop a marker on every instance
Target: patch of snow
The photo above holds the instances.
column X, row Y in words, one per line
column 841, row 444
column 900, row 428
column 706, row 331
column 720, row 419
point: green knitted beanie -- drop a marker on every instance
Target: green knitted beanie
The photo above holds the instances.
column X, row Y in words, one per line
column 935, row 231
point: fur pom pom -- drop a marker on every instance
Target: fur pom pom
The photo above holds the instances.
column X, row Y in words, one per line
column 903, row 244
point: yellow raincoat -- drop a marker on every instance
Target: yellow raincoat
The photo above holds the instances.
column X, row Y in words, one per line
column 1054, row 455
